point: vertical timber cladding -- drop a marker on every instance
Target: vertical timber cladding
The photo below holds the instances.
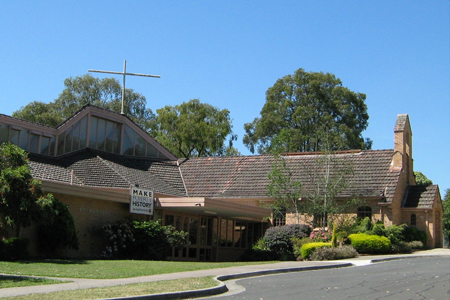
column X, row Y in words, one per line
column 141, row 201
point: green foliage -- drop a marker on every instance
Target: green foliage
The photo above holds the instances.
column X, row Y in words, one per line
column 297, row 244
column 82, row 90
column 259, row 252
column 279, row 239
column 41, row 113
column 128, row 239
column 370, row 244
column 14, row 249
column 302, row 106
column 58, row 231
column 284, row 189
column 395, row 233
column 309, row 248
column 334, row 237
column 421, row 179
column 333, row 253
column 364, row 226
column 446, row 215
column 23, row 202
column 194, row 129
column 343, row 226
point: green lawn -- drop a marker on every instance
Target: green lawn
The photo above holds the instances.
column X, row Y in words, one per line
column 17, row 281
column 106, row 269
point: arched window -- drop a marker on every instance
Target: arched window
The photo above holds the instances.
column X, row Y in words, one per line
column 413, row 220
column 364, row 211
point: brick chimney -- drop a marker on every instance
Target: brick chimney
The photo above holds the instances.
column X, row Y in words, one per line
column 403, row 147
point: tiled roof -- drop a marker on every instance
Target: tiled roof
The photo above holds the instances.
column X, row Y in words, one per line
column 218, row 177
column 246, row 176
column 96, row 168
column 420, row 196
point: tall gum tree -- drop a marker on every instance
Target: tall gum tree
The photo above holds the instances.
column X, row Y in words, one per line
column 300, row 105
column 194, row 129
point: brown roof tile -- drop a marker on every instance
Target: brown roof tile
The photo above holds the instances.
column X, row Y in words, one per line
column 420, row 196
column 246, row 176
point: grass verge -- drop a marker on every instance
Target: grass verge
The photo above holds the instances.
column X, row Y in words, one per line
column 156, row 287
column 107, row 269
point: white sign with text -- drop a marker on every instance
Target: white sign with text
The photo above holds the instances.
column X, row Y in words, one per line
column 141, row 201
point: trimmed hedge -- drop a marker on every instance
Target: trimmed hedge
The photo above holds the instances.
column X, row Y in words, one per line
column 370, row 244
column 308, row 249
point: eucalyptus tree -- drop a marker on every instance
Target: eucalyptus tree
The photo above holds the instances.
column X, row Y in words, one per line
column 299, row 107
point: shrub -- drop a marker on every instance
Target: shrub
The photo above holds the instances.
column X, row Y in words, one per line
column 364, row 226
column 401, row 247
column 14, row 248
column 320, row 235
column 279, row 239
column 416, row 245
column 406, row 247
column 395, row 233
column 370, row 244
column 259, row 252
column 297, row 244
column 141, row 240
column 309, row 248
column 411, row 233
column 333, row 253
column 59, row 232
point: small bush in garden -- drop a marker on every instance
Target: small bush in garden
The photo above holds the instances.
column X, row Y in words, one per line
column 333, row 253
column 309, row 248
column 297, row 244
column 259, row 252
column 279, row 239
column 364, row 226
column 411, row 233
column 416, row 245
column 14, row 248
column 395, row 233
column 401, row 247
column 370, row 244
column 320, row 235
column 141, row 240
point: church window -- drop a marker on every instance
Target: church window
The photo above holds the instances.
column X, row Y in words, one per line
column 34, row 143
column 364, row 212
column 413, row 220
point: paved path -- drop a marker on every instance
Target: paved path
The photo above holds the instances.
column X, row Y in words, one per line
column 222, row 275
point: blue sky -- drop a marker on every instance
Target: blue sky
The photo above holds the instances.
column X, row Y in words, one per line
column 228, row 53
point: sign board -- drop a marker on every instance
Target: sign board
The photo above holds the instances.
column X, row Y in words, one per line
column 141, row 201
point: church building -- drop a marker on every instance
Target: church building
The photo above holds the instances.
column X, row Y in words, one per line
column 104, row 167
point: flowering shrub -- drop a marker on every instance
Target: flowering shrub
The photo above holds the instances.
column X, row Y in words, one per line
column 320, row 235
column 120, row 236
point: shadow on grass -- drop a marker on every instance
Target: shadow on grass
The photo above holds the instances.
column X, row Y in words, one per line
column 55, row 261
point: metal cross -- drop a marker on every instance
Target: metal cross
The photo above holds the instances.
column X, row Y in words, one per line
column 124, row 73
